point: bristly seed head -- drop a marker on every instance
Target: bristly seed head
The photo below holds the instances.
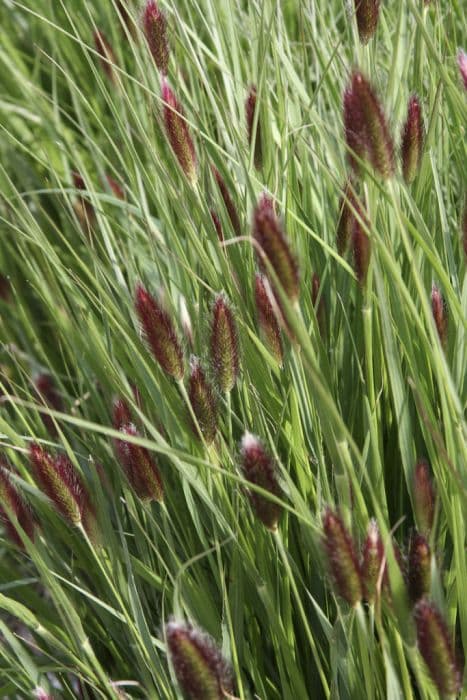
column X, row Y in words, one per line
column 203, row 401
column 367, row 13
column 106, row 53
column 366, row 128
column 423, row 496
column 10, row 496
column 267, row 319
column 160, row 333
column 462, row 63
column 155, row 29
column 372, row 562
column 346, row 219
column 361, row 244
column 201, row 671
column 436, row 649
column 412, row 140
column 251, row 106
column 342, row 558
column 440, row 315
column 268, row 233
column 121, row 413
column 178, row 132
column 139, row 466
column 259, row 469
column 419, row 574
column 224, row 344
column 228, row 202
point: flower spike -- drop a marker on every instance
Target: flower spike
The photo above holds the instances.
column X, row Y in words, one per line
column 367, row 13
column 267, row 319
column 412, row 140
column 342, row 558
column 251, row 107
column 155, row 29
column 224, row 345
column 178, row 133
column 436, row 648
column 259, row 469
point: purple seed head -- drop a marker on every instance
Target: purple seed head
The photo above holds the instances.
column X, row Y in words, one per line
column 106, row 53
column 440, row 315
column 346, row 220
column 462, row 63
column 229, row 204
column 116, row 188
column 423, row 496
column 155, row 29
column 224, row 344
column 341, row 558
column 366, row 127
column 203, row 401
column 419, row 577
column 259, row 468
column 435, row 646
column 10, row 496
column 251, row 105
column 139, row 466
column 372, row 562
column 217, row 225
column 178, row 132
column 367, row 13
column 121, row 414
column 268, row 233
column 412, row 140
column 160, row 333
column 201, row 671
column 361, row 244
column 60, row 481
column 267, row 319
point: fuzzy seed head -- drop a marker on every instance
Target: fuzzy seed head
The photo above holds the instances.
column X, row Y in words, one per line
column 10, row 496
column 106, row 53
column 361, row 246
column 178, row 133
column 419, row 567
column 201, row 671
column 60, row 481
column 412, row 140
column 117, row 189
column 121, row 413
column 139, row 466
column 229, row 204
column 440, row 315
column 342, row 558
column 366, row 128
column 372, row 561
column 259, row 468
column 224, row 345
column 367, row 13
column 436, row 649
column 203, row 401
column 160, row 333
column 250, row 110
column 423, row 496
column 346, row 219
column 217, row 225
column 268, row 233
column 267, row 319
column 155, row 29
column 462, row 63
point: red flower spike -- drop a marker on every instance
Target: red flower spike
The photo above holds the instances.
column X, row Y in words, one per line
column 228, row 202
column 419, row 567
column 224, row 345
column 268, row 233
column 155, row 29
column 342, row 558
column 423, row 496
column 60, row 481
column 367, row 14
column 372, row 561
column 436, row 649
column 267, row 319
column 121, row 414
column 117, row 189
column 10, row 496
column 47, row 390
column 201, row 671
column 178, row 133
column 250, row 111
column 346, row 222
column 366, row 128
column 462, row 63
column 319, row 303
column 217, row 225
column 203, row 402
column 139, row 466
column 160, row 333
column 259, row 469
column 412, row 140
column 106, row 53
column 361, row 246
column 440, row 316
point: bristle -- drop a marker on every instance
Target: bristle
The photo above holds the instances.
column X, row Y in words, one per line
column 259, row 469
column 106, row 53
column 251, row 107
column 267, row 319
column 440, row 315
column 139, row 466
column 367, row 14
column 224, row 345
column 203, row 401
column 342, row 558
column 11, row 497
column 372, row 562
column 155, row 29
column 412, row 140
column 423, row 496
column 178, row 133
column 419, row 574
column 228, row 202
